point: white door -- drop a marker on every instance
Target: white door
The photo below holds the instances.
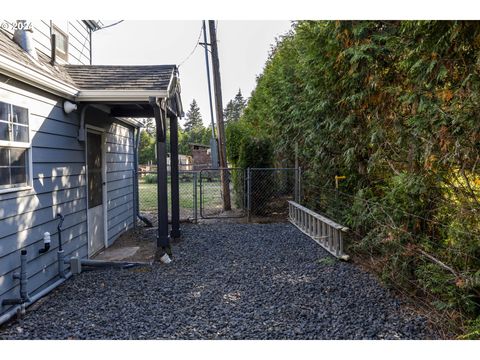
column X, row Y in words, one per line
column 96, row 185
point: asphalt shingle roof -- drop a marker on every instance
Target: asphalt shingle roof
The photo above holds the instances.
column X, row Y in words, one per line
column 11, row 49
column 93, row 77
column 121, row 77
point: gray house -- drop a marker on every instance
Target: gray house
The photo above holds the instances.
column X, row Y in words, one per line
column 68, row 145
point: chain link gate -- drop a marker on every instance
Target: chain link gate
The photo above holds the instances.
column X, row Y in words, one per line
column 255, row 193
column 214, row 183
column 188, row 190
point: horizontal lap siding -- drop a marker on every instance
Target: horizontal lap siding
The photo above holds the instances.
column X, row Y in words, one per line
column 79, row 44
column 120, row 152
column 78, row 39
column 41, row 36
column 58, row 186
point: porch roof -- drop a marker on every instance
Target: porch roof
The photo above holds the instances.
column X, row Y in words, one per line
column 124, row 87
column 122, row 82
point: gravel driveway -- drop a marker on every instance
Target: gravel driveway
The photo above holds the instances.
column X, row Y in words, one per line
column 227, row 281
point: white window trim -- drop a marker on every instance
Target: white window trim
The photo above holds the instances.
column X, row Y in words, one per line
column 63, row 56
column 23, row 145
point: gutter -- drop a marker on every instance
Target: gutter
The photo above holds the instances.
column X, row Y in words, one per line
column 119, row 95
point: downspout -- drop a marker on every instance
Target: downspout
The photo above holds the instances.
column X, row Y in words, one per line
column 81, row 130
column 136, row 210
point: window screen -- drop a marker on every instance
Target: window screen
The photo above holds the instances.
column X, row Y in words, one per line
column 94, row 167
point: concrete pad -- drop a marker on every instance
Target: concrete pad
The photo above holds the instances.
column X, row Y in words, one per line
column 117, row 254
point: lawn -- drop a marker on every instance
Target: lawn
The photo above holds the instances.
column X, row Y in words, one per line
column 211, row 195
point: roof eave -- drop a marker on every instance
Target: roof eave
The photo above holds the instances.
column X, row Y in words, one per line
column 36, row 78
column 132, row 121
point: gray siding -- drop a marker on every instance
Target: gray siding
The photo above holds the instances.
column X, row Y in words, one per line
column 78, row 43
column 120, row 159
column 58, row 186
column 78, row 39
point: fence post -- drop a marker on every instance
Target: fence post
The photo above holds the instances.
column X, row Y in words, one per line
column 195, row 215
column 248, row 195
column 299, row 185
column 135, row 197
column 201, row 193
column 295, row 190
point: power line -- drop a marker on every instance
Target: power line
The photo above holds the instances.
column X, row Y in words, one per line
column 107, row 26
column 194, row 48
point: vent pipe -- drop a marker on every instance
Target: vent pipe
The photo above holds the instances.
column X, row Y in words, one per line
column 23, row 36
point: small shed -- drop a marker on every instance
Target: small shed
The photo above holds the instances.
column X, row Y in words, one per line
column 201, row 156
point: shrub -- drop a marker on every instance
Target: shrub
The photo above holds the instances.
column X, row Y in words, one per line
column 257, row 153
column 150, row 179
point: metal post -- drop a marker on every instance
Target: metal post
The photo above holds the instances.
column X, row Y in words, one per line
column 248, row 195
column 195, row 215
column 201, row 193
column 174, row 184
column 296, row 185
column 299, row 185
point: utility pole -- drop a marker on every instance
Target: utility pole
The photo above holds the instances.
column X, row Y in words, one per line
column 213, row 141
column 224, row 175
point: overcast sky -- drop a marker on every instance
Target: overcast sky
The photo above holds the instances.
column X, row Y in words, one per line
column 243, row 50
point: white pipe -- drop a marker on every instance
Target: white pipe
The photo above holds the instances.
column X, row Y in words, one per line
column 33, row 298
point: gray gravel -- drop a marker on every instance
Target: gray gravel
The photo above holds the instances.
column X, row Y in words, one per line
column 227, row 281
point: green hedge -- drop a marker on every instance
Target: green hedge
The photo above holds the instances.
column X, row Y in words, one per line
column 393, row 106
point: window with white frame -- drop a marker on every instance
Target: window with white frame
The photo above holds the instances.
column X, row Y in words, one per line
column 14, row 146
column 61, row 42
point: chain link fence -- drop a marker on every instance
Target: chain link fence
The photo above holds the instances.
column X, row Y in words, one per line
column 222, row 193
column 268, row 192
column 147, row 195
column 253, row 193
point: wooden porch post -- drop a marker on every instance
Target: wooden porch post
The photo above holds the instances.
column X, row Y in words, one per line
column 163, row 240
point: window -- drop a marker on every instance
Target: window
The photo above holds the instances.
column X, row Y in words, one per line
column 61, row 43
column 14, row 147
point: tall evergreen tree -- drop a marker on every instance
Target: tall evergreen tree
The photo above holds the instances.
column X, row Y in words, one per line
column 234, row 109
column 193, row 118
column 148, row 125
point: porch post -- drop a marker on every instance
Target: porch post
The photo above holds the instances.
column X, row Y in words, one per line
column 175, row 233
column 163, row 240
